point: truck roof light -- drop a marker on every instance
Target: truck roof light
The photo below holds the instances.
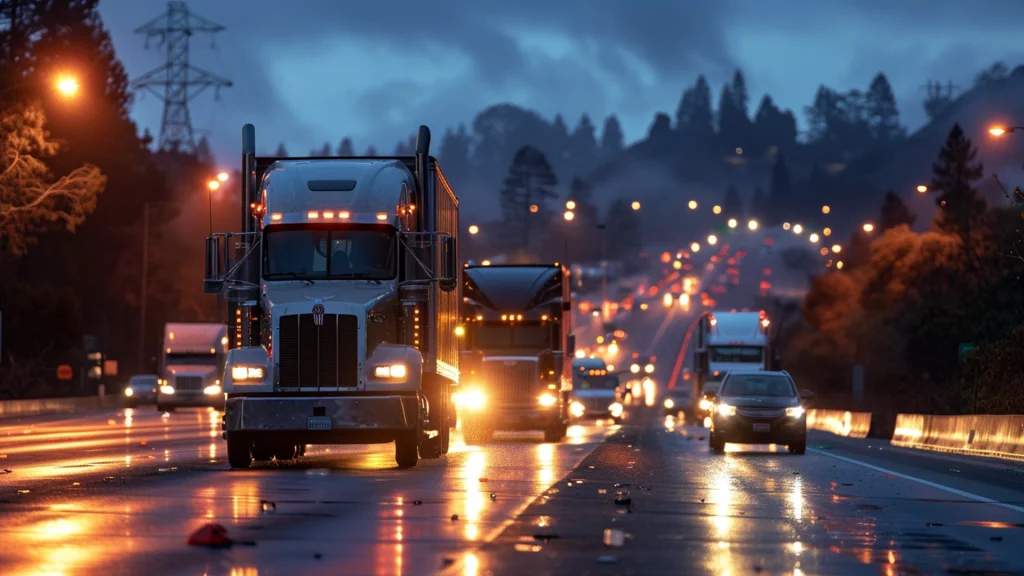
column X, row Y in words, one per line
column 382, row 216
column 312, row 214
column 343, row 215
column 328, row 215
column 276, row 217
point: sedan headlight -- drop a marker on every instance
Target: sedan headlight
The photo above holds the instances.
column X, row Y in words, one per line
column 396, row 372
column 795, row 411
column 576, row 409
column 167, row 389
column 129, row 392
column 726, row 410
column 547, row 400
column 212, row 390
column 246, row 374
column 649, row 369
column 669, row 403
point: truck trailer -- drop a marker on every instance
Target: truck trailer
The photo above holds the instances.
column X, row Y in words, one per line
column 344, row 292
column 517, row 346
column 729, row 341
column 192, row 366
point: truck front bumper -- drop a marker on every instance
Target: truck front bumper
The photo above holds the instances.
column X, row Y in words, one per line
column 190, row 399
column 323, row 414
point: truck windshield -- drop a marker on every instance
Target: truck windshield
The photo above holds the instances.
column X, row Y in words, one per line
column 735, row 354
column 192, row 359
column 518, row 337
column 596, row 382
column 306, row 253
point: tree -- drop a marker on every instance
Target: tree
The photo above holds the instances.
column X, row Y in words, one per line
column 584, row 143
column 370, row 152
column 612, row 139
column 281, row 151
column 939, row 97
column 661, row 129
column 455, row 150
column 528, row 189
column 780, row 193
column 882, row 112
column 732, row 206
column 345, row 148
column 31, row 199
column 994, row 73
column 733, row 120
column 894, row 213
column 953, row 175
column 694, row 117
column 759, row 206
column 622, row 224
column 739, row 92
column 203, row 152
column 773, row 128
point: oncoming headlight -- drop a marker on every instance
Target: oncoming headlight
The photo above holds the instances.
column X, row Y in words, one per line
column 795, row 411
column 726, row 410
column 245, row 374
column 615, row 409
column 705, row 404
column 167, row 389
column 390, row 371
column 577, row 409
column 547, row 400
column 669, row 403
column 471, row 399
column 212, row 390
column 129, row 392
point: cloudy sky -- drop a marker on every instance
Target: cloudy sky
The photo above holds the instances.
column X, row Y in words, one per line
column 310, row 71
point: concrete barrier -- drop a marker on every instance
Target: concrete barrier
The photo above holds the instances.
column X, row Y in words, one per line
column 15, row 408
column 839, row 422
column 981, row 435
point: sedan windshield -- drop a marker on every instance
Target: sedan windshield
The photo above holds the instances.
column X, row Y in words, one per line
column 757, row 385
column 308, row 253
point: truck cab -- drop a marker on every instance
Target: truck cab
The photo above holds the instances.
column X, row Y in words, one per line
column 345, row 295
column 517, row 343
column 192, row 366
column 728, row 341
column 595, row 389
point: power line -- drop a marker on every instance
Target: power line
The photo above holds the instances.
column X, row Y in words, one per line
column 180, row 80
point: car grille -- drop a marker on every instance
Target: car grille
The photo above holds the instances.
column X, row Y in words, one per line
column 188, row 383
column 320, row 356
column 510, row 381
column 761, row 413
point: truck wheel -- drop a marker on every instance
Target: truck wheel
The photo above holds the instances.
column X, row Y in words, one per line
column 300, row 450
column 555, row 433
column 239, row 452
column 285, row 452
column 262, row 453
column 438, row 445
column 407, row 449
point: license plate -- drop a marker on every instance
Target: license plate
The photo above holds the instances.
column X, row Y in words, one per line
column 319, row 423
column 762, row 427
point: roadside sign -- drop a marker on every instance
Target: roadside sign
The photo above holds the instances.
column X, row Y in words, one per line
column 64, row 372
column 965, row 348
column 110, row 367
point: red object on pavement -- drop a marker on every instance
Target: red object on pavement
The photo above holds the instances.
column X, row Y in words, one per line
column 213, row 535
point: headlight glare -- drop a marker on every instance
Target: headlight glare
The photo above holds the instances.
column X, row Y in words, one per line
column 726, row 410
column 547, row 400
column 472, row 399
column 166, row 389
column 212, row 390
column 390, row 371
column 795, row 411
column 615, row 409
column 246, row 373
column 669, row 403
column 129, row 392
column 576, row 409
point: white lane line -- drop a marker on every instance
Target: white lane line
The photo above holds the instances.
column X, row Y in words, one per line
column 949, row 489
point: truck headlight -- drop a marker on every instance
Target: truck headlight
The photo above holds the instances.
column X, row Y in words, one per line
column 615, row 409
column 649, row 368
column 705, row 404
column 396, row 372
column 726, row 410
column 129, row 392
column 547, row 400
column 471, row 399
column 795, row 411
column 576, row 409
column 246, row 374
column 212, row 390
column 669, row 403
column 167, row 389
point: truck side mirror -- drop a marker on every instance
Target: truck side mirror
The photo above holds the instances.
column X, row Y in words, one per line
column 449, row 279
column 213, row 283
column 570, row 345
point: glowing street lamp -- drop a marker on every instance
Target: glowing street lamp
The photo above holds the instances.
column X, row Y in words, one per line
column 635, row 205
column 569, row 215
column 474, row 229
column 712, row 239
column 825, row 209
column 836, row 248
column 534, row 208
column 68, row 85
column 732, row 223
column 814, row 238
column 752, row 225
column 692, row 204
column 868, row 227
column 798, row 229
column 921, row 188
column 716, row 209
column 223, row 177
column 998, row 131
column 570, row 205
column 213, row 185
column 695, row 247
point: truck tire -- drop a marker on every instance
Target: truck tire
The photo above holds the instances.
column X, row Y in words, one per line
column 407, row 449
column 555, row 432
column 438, row 445
column 239, row 452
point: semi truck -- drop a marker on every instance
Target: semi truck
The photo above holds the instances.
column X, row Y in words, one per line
column 517, row 347
column 725, row 341
column 192, row 366
column 344, row 297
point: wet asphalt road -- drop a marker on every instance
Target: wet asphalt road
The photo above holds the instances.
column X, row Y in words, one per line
column 118, row 493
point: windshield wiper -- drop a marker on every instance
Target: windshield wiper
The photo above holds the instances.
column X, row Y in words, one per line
column 294, row 275
column 356, row 276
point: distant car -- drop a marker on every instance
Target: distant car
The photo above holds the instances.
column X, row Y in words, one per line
column 759, row 407
column 594, row 389
column 678, row 399
column 141, row 389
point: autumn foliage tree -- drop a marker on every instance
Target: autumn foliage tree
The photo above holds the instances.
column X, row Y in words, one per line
column 32, row 199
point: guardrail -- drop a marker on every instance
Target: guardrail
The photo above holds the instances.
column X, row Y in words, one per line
column 980, row 435
column 13, row 408
column 839, row 422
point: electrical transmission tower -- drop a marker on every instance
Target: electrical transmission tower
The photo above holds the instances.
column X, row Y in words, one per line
column 180, row 80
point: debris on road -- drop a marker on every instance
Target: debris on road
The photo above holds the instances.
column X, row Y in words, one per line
column 211, row 536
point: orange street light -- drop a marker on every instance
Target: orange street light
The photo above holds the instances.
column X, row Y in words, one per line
column 213, row 185
column 692, row 204
column 569, row 215
column 921, row 188
column 222, row 177
column 869, row 227
column 68, row 85
column 570, row 205
column 474, row 229
column 635, row 205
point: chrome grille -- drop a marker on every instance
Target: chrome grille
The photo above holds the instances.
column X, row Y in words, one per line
column 511, row 381
column 761, row 412
column 188, row 383
column 320, row 356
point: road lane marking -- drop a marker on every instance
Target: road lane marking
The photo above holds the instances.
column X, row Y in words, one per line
column 968, row 495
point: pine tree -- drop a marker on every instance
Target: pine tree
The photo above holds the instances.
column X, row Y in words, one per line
column 740, row 94
column 882, row 112
column 345, row 148
column 953, row 175
column 661, row 129
column 371, row 152
column 203, row 152
column 584, row 144
column 694, row 117
column 759, row 208
column 324, row 151
column 732, row 205
column 612, row 139
column 728, row 118
column 780, row 193
column 894, row 213
column 455, row 149
column 773, row 127
column 525, row 197
column 281, row 151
